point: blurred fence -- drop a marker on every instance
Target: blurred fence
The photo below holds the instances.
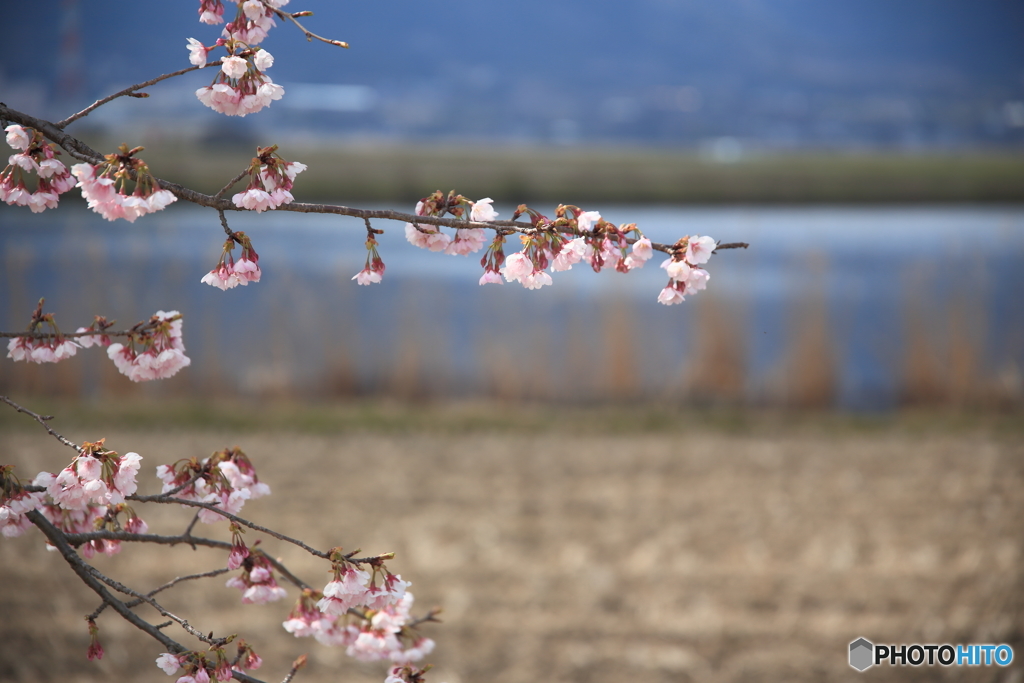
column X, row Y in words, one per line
column 856, row 309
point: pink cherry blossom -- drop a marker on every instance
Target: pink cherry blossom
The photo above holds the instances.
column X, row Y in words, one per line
column 535, row 280
column 234, row 67
column 197, row 52
column 18, row 137
column 348, row 589
column 572, row 252
column 483, row 211
column 642, row 252
column 391, row 591
column 587, row 220
column 670, row 295
column 211, row 11
column 679, row 271
column 697, row 281
column 263, row 60
column 168, row 663
column 490, row 277
column 699, row 249
column 367, row 276
column 427, row 237
column 467, row 241
column 517, row 266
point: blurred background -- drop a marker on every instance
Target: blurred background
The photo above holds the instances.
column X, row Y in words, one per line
column 823, row 445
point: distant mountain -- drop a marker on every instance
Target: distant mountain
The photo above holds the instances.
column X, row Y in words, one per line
column 765, row 73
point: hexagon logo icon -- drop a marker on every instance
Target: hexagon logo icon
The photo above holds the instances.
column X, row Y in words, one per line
column 861, row 654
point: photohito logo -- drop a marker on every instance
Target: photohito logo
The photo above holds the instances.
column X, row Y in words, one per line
column 865, row 654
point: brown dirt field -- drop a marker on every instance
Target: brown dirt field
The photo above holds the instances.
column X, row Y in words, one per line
column 558, row 557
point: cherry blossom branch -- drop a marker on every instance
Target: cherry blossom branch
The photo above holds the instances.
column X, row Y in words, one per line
column 86, row 573
column 309, row 34
column 231, row 183
column 125, row 536
column 83, row 152
column 169, row 584
column 129, row 91
column 164, row 498
column 58, row 541
column 183, row 623
column 224, row 223
column 42, row 419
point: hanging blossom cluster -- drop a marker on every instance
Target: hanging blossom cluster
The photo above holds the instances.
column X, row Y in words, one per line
column 105, row 186
column 87, row 495
column 466, row 240
column 271, row 179
column 684, row 277
column 367, row 612
column 51, row 348
column 226, row 480
column 155, row 349
column 253, row 18
column 37, row 157
column 228, row 272
column 213, row 664
column 241, row 87
column 373, row 271
column 550, row 246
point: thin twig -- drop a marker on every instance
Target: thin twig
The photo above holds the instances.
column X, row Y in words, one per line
column 42, row 419
column 296, row 665
column 309, row 34
column 128, row 91
column 57, row 540
column 284, row 571
column 125, row 536
column 183, row 623
column 191, row 526
column 169, row 584
column 231, row 184
column 238, row 520
column 106, row 535
column 224, row 223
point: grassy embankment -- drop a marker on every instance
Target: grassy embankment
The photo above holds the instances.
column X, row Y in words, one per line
column 403, row 174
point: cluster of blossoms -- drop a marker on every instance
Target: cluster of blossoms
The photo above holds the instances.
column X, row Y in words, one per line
column 373, row 271
column 15, row 501
column 271, row 179
column 370, row 619
column 230, row 273
column 466, row 240
column 226, row 480
column 49, row 349
column 154, row 350
column 253, row 19
column 87, row 495
column 202, row 667
column 36, row 157
column 684, row 277
column 256, row 581
column 105, row 186
column 96, row 476
column 240, row 87
column 551, row 246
